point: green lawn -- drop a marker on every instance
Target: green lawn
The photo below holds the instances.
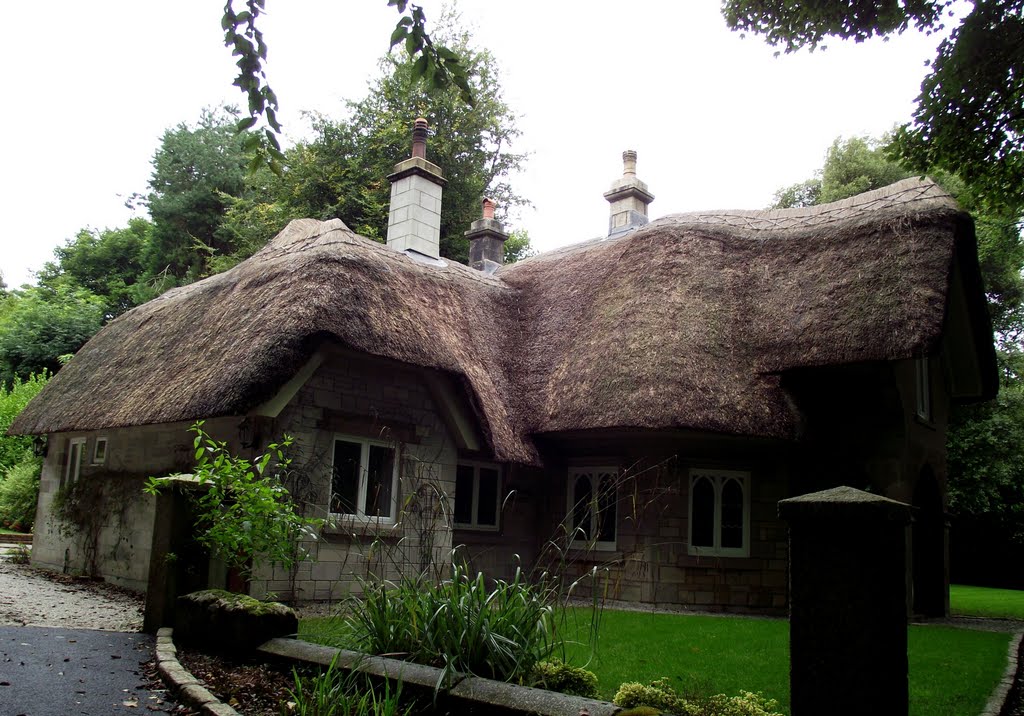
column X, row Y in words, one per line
column 986, row 602
column 952, row 671
column 4, row 531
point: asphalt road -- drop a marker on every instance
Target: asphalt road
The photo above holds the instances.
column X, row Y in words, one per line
column 46, row 671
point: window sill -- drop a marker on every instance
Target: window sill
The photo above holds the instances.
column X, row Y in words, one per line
column 595, row 553
column 358, row 527
column 491, row 529
column 928, row 423
column 718, row 554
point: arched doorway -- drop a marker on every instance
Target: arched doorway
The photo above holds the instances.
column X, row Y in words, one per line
column 929, row 547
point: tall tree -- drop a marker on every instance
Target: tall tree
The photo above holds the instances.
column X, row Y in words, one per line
column 42, row 324
column 194, row 171
column 108, row 263
column 969, row 119
column 343, row 171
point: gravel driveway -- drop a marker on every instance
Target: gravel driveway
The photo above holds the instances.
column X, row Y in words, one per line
column 31, row 597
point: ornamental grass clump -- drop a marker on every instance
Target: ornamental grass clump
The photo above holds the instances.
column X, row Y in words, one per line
column 460, row 624
column 337, row 692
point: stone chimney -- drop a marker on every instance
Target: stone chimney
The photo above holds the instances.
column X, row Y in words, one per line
column 414, row 222
column 486, row 241
column 628, row 197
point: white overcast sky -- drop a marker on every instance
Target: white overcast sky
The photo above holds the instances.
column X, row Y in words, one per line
column 717, row 121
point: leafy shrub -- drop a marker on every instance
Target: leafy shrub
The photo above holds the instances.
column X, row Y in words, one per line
column 21, row 554
column 12, row 401
column 459, row 624
column 660, row 695
column 19, row 490
column 565, row 678
column 245, row 516
column 336, row 692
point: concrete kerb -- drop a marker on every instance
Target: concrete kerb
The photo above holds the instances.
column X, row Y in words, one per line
column 997, row 700
column 465, row 694
column 181, row 683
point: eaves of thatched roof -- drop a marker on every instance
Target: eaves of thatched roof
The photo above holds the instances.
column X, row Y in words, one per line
column 686, row 323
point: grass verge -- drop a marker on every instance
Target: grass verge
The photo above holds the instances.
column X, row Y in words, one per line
column 986, row 602
column 952, row 671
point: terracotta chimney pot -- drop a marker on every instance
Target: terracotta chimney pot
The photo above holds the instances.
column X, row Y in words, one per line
column 488, row 208
column 419, row 138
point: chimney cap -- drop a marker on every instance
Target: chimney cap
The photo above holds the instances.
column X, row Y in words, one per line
column 629, row 162
column 419, row 138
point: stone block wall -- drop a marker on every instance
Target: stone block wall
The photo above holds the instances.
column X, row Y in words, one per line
column 119, row 550
column 651, row 563
column 360, row 398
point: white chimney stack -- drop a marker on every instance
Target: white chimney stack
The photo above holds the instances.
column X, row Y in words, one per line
column 414, row 221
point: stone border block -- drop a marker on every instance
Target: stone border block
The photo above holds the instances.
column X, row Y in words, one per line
column 181, row 683
column 997, row 700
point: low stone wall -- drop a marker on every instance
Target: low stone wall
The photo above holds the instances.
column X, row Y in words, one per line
column 465, row 695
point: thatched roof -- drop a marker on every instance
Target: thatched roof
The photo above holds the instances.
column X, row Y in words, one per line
column 685, row 323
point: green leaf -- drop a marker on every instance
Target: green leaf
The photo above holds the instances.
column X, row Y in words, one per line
column 272, row 139
column 420, row 67
column 244, row 124
column 398, row 35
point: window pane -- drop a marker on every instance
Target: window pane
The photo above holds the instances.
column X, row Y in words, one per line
column 582, row 495
column 464, row 494
column 379, row 481
column 732, row 514
column 606, row 509
column 74, row 461
column 702, row 513
column 345, row 477
column 487, row 506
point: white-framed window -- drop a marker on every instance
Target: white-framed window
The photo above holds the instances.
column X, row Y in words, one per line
column 364, row 479
column 99, row 451
column 477, row 495
column 923, row 389
column 591, row 513
column 719, row 513
column 76, row 447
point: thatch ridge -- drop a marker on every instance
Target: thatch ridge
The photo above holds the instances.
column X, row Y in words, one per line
column 685, row 323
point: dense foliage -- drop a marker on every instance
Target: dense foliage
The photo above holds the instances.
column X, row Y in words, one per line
column 108, row 264
column 19, row 467
column 39, row 324
column 195, row 172
column 968, row 119
column 19, row 491
column 12, row 401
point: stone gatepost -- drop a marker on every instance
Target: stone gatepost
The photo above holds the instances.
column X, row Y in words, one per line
column 847, row 603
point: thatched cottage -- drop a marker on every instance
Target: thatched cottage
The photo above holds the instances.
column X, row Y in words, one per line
column 639, row 402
